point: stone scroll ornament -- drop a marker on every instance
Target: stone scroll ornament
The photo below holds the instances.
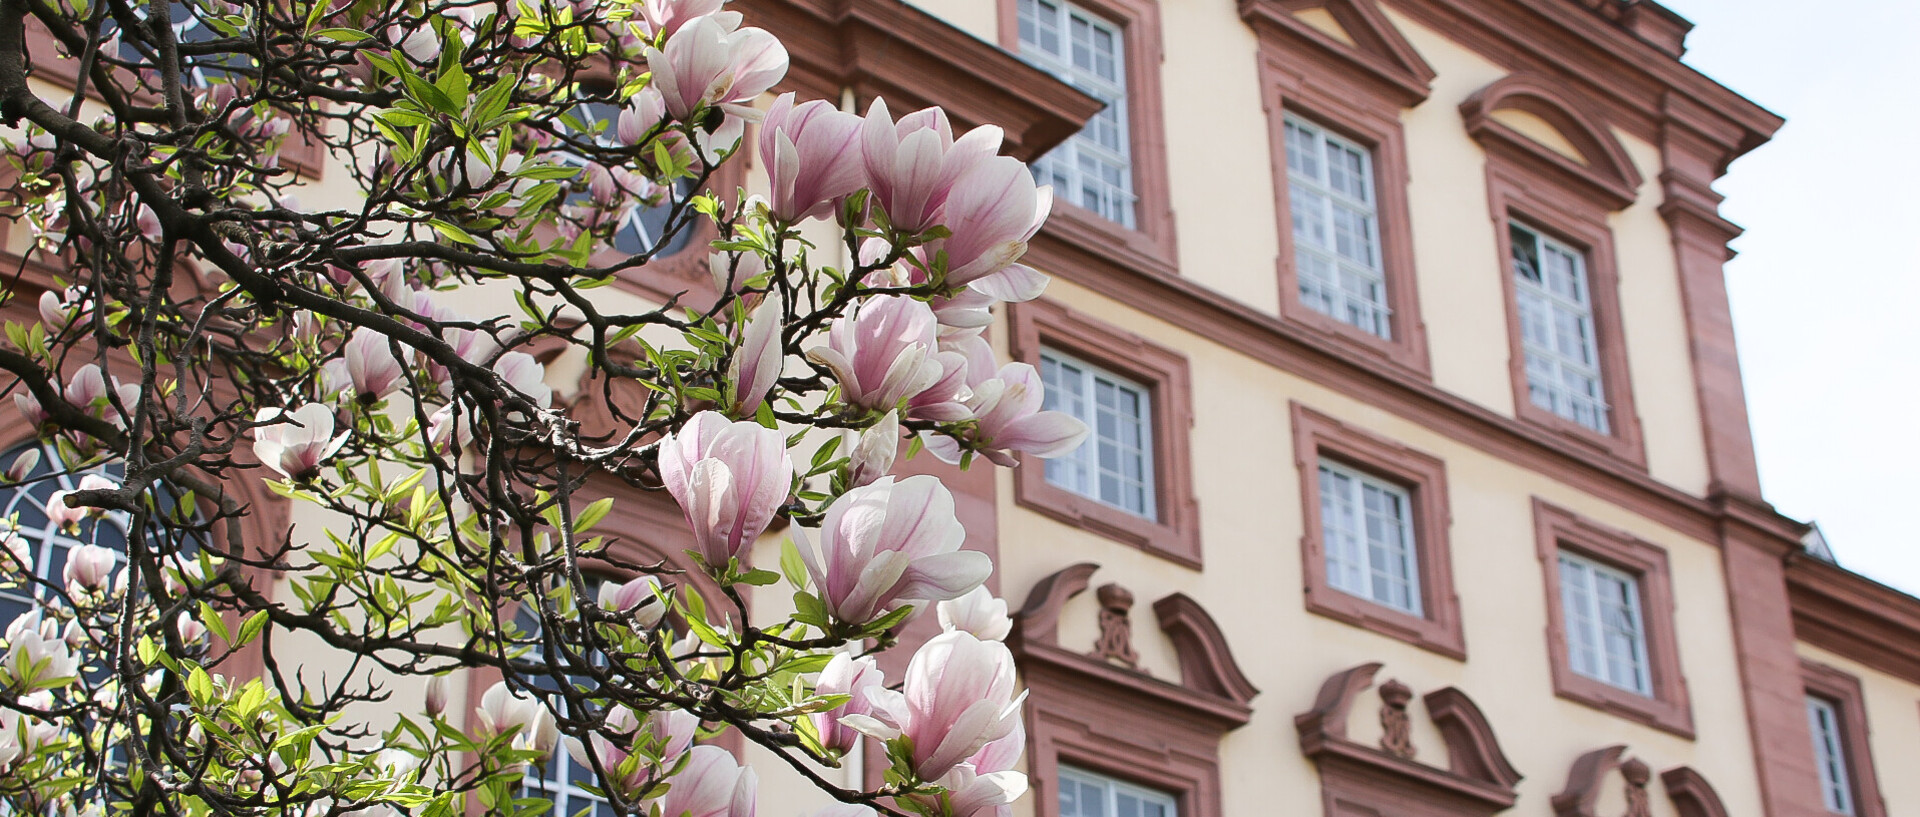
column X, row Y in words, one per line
column 1116, row 626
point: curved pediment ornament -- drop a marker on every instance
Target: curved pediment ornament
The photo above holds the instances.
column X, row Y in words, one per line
column 1602, row 171
column 1212, row 688
column 1692, row 796
column 1479, row 780
column 1206, row 662
column 1589, row 776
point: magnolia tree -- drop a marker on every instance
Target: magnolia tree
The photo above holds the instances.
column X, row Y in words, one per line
column 378, row 354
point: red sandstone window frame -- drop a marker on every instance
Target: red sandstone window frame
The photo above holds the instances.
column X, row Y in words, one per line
column 1321, row 92
column 1174, row 532
column 1843, row 691
column 1424, row 477
column 1668, row 707
column 1149, row 246
column 1570, row 203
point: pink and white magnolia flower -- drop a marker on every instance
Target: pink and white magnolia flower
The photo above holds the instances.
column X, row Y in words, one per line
column 642, row 113
column 438, row 688
column 712, row 784
column 882, row 352
column 62, row 515
column 636, row 596
column 914, row 164
column 978, row 612
column 23, row 465
column 958, row 697
column 1009, row 419
column 367, row 367
column 295, row 443
column 30, row 409
column 149, row 223
column 504, row 710
column 845, row 675
column 812, row 155
column 89, row 568
column 993, row 211
column 18, row 549
column 729, row 478
column 756, row 361
column 668, row 16
column 660, row 740
column 987, row 784
column 36, row 661
column 86, row 386
column 706, row 63
column 873, row 455
column 58, row 310
column 891, row 544
column 525, row 374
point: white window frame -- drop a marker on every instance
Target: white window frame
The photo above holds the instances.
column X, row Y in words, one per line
column 1113, row 788
column 1824, row 720
column 1085, row 460
column 1361, row 569
column 1551, row 373
column 1062, row 165
column 1581, row 608
column 1344, row 297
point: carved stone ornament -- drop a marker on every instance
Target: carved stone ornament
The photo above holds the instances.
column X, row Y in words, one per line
column 1397, row 734
column 1589, row 775
column 1116, row 627
column 1478, row 779
column 1637, row 774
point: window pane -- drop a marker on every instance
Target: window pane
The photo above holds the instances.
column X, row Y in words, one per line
column 1830, row 756
column 1606, row 632
column 1115, row 464
column 1556, row 328
column 1331, row 199
column 1089, row 794
column 1367, row 534
column 1093, row 168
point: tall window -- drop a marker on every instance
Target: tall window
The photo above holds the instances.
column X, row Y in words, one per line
column 1367, row 529
column 1606, row 634
column 1830, row 755
column 1556, row 328
column 27, row 507
column 1336, row 227
column 560, row 778
column 1085, row 794
column 1093, row 169
column 1115, row 465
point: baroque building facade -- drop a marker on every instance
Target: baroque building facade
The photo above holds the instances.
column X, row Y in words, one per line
column 1421, row 481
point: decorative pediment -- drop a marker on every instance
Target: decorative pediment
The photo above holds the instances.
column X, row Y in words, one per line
column 1539, row 124
column 1590, row 777
column 890, row 49
column 1212, row 688
column 1352, row 34
column 1692, row 796
column 1478, row 780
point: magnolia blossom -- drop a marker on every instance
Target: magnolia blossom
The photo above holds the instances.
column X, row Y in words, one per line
column 86, row 386
column 63, row 516
column 366, row 366
column 978, row 612
column 986, row 782
column 37, row 661
column 845, row 675
column 438, row 687
column 23, row 465
column 711, row 785
column 635, row 597
column 295, row 443
column 660, row 741
column 642, row 113
column 18, row 549
column 505, row 711
column 667, row 16
column 812, row 155
column 525, row 375
column 993, row 211
column 30, row 409
column 958, row 697
column 729, row 478
column 891, row 544
column 913, row 165
column 62, row 309
column 89, row 568
column 1009, row 419
column 873, row 455
column 882, row 352
column 756, row 361
column 705, row 63
column 731, row 271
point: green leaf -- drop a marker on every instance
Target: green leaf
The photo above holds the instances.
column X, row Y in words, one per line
column 341, row 35
column 453, row 233
column 759, row 578
column 791, row 565
column 592, row 514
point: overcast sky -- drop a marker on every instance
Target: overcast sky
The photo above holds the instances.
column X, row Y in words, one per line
column 1826, row 290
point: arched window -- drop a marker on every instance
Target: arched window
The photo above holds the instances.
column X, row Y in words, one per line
column 26, row 505
column 641, row 227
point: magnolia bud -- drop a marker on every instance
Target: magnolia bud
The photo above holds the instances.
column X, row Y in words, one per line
column 437, row 695
column 24, row 464
column 873, row 456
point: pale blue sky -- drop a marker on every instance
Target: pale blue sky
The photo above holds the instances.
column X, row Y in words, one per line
column 1826, row 290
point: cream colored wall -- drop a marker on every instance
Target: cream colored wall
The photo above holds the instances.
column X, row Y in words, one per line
column 1251, row 523
column 1893, row 730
